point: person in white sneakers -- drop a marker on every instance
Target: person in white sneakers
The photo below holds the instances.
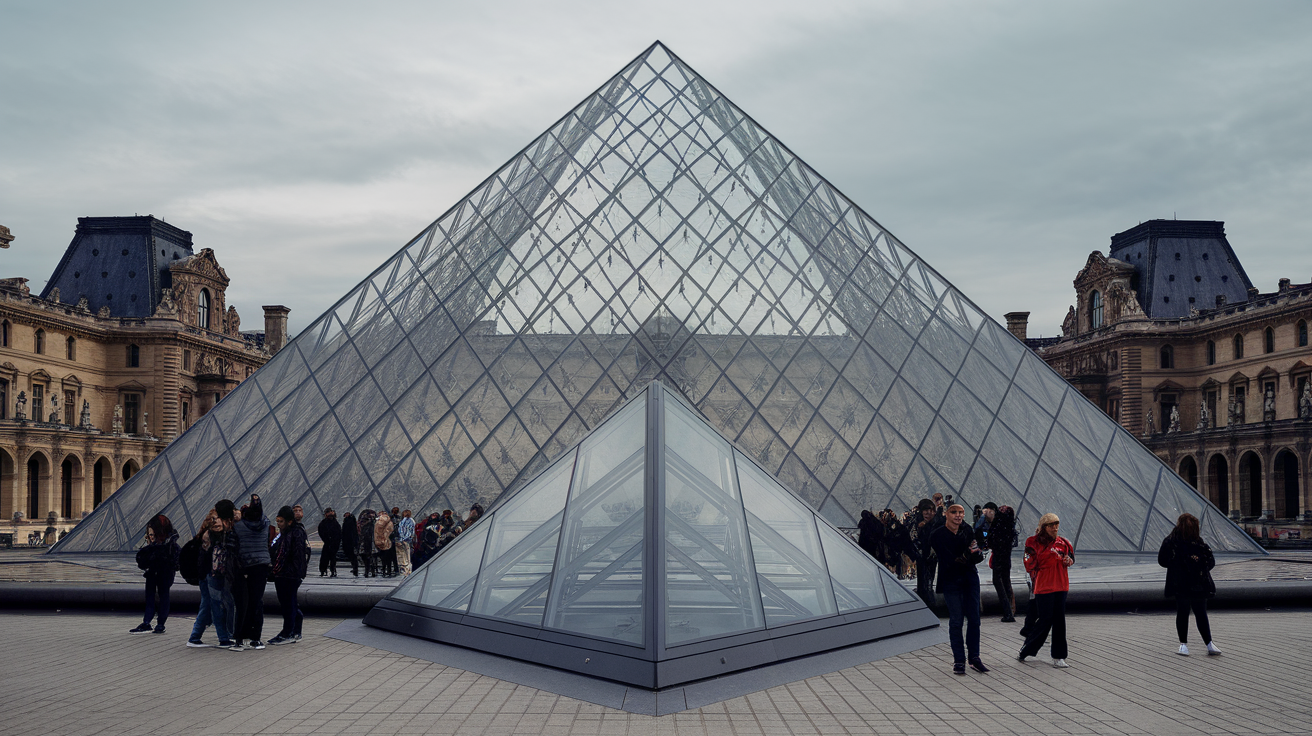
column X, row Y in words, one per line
column 1189, row 562
column 1047, row 555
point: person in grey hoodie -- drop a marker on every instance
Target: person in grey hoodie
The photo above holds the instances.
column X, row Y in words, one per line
column 254, row 534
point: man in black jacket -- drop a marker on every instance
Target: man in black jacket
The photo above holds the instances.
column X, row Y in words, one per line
column 330, row 533
column 958, row 553
column 921, row 529
column 351, row 542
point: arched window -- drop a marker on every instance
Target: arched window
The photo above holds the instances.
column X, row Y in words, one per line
column 1270, row 340
column 1095, row 310
column 1211, row 353
column 39, row 342
column 203, row 309
column 1239, row 346
column 134, row 356
column 1168, row 356
column 4, row 334
column 72, row 348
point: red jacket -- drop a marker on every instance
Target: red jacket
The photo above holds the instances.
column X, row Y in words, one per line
column 1045, row 561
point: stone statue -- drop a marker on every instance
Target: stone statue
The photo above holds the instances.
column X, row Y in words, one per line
column 84, row 421
column 1068, row 326
column 1305, row 402
column 1269, row 405
column 21, row 411
column 104, row 312
column 1236, row 410
column 1150, row 427
column 118, row 419
column 1204, row 416
column 54, row 295
column 83, row 305
column 54, row 409
column 1175, row 421
column 145, row 424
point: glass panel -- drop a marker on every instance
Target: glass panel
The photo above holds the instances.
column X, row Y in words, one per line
column 411, row 589
column 596, row 588
column 786, row 547
column 522, row 549
column 856, row 576
column 451, row 574
column 710, row 588
column 1122, row 507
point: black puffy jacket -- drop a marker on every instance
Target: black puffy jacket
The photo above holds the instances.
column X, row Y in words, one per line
column 1188, row 567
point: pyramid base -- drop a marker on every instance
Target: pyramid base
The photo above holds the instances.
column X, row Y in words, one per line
column 627, row 665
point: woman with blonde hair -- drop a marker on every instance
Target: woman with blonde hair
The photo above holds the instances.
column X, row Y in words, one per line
column 1188, row 562
column 1047, row 556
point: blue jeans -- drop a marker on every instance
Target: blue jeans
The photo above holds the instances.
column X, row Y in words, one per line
column 205, row 617
column 223, row 608
column 291, row 612
column 153, row 589
column 962, row 597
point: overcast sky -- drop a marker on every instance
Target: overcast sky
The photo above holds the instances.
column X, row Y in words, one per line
column 1001, row 141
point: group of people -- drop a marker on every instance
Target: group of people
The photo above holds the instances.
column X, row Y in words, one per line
column 387, row 544
column 232, row 559
column 936, row 540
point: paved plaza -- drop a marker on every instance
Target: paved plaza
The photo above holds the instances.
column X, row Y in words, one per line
column 79, row 673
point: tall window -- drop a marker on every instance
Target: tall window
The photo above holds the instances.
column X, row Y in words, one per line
column 186, row 360
column 1211, row 407
column 186, row 415
column 131, row 413
column 1270, row 340
column 38, row 403
column 1302, row 334
column 1168, row 356
column 1239, row 346
column 134, row 356
column 4, row 399
column 203, row 309
column 39, row 342
column 71, row 345
column 4, row 334
column 70, row 402
column 1211, row 352
column 1095, row 310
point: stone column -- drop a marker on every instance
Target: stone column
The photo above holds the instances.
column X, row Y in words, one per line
column 1268, row 483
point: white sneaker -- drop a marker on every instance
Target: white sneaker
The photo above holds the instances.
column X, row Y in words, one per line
column 1212, row 649
column 1060, row 663
column 1184, row 650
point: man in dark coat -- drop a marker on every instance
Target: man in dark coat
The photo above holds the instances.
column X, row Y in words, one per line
column 330, row 533
column 922, row 526
column 351, row 542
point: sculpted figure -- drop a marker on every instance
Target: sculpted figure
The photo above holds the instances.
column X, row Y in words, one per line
column 1175, row 420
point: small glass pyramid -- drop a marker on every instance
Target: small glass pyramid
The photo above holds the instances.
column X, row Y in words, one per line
column 653, row 553
column 658, row 232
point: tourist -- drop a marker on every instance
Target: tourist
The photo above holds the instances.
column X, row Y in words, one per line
column 983, row 519
column 365, row 527
column 428, row 544
column 1001, row 541
column 384, row 543
column 288, row 569
column 871, row 534
column 449, row 537
column 1188, row 562
column 405, row 537
column 205, row 615
column 254, row 533
column 897, row 544
column 958, row 553
column 475, row 513
column 219, row 550
column 351, row 542
column 924, row 557
column 1047, row 556
column 330, row 533
column 159, row 560
column 447, row 520
column 299, row 513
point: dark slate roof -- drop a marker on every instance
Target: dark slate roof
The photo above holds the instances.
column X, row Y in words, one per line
column 119, row 262
column 1179, row 260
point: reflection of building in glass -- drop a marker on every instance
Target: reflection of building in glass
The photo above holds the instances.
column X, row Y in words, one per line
column 656, row 232
column 110, row 363
column 654, row 553
column 1186, row 333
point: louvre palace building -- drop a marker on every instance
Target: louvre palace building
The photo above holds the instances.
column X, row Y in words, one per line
column 131, row 341
column 1170, row 337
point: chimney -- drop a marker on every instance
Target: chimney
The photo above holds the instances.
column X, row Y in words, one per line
column 275, row 327
column 1017, row 323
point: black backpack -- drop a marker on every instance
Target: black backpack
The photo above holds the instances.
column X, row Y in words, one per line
column 189, row 562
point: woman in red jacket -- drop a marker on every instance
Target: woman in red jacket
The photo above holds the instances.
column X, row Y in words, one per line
column 1047, row 556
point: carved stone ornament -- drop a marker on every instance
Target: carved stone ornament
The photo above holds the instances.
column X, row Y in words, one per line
column 1269, row 405
column 1175, row 421
column 1149, row 426
column 21, row 411
column 1305, row 401
column 54, row 409
column 54, row 295
column 84, row 421
column 145, row 424
column 83, row 305
column 1204, row 416
column 1068, row 324
column 104, row 312
column 167, row 307
column 118, row 419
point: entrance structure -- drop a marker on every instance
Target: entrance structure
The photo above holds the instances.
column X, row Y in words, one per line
column 656, row 232
column 654, row 554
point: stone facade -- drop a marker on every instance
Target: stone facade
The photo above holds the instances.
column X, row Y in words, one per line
column 1221, row 395
column 88, row 398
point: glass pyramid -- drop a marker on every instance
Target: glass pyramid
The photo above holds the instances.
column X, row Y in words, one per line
column 653, row 553
column 657, row 232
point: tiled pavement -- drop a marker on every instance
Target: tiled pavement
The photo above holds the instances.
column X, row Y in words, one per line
column 81, row 674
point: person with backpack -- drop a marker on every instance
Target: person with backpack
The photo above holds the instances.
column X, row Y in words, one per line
column 288, row 570
column 351, row 541
column 1047, row 556
column 219, row 567
column 159, row 560
column 1001, row 540
column 194, row 567
column 254, row 534
column 330, row 533
column 1189, row 562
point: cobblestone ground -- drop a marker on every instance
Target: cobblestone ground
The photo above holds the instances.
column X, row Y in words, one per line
column 82, row 674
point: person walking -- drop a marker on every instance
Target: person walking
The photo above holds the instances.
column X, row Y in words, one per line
column 288, row 567
column 159, row 560
column 958, row 552
column 351, row 541
column 330, row 533
column 1189, row 562
column 405, row 539
column 254, row 533
column 1001, row 540
column 1047, row 556
column 219, row 551
column 924, row 526
column 384, row 530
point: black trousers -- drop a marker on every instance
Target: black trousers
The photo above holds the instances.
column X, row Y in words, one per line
column 249, row 592
column 354, row 559
column 925, row 579
column 1051, row 617
column 1002, row 584
column 291, row 612
column 328, row 557
column 1183, row 604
